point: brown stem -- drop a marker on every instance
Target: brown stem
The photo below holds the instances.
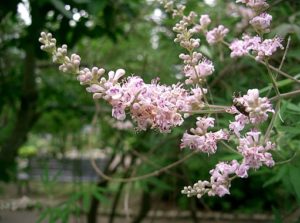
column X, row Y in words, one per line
column 142, row 177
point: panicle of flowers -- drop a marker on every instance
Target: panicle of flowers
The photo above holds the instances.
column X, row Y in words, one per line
column 68, row 65
column 255, row 107
column 261, row 23
column 267, row 48
column 198, row 73
column 192, row 59
column 257, row 5
column 170, row 6
column 201, row 139
column 213, row 36
column 254, row 154
column 216, row 35
column 184, row 36
column 197, row 67
column 204, row 21
column 220, row 181
column 262, row 49
column 151, row 105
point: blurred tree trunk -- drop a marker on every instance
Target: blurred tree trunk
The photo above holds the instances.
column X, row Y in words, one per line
column 116, row 200
column 144, row 207
column 95, row 203
column 25, row 118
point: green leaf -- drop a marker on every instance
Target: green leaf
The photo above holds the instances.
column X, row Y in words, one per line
column 100, row 197
column 277, row 215
column 43, row 216
column 295, row 179
column 86, row 198
column 281, row 173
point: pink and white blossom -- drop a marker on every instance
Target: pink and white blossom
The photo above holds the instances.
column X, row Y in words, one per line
column 257, row 5
column 201, row 139
column 262, row 22
column 216, row 35
column 255, row 155
column 257, row 107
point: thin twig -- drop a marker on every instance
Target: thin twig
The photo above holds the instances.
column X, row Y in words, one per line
column 287, row 161
column 285, row 52
column 277, row 107
column 270, row 127
column 142, row 177
column 230, row 148
column 272, row 78
column 285, row 95
column 271, row 67
column 205, row 111
column 145, row 159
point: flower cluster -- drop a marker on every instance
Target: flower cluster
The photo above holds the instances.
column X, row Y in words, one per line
column 170, row 6
column 220, row 181
column 249, row 109
column 262, row 48
column 48, row 42
column 257, row 5
column 163, row 107
column 201, row 139
column 216, row 35
column 151, row 105
column 253, row 106
column 213, row 36
column 262, row 22
column 68, row 65
column 199, row 72
column 254, row 156
column 184, row 35
column 197, row 67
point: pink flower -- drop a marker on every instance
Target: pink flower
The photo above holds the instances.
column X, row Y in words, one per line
column 242, row 47
column 257, row 107
column 267, row 48
column 204, row 21
column 202, row 140
column 257, row 5
column 198, row 72
column 239, row 124
column 216, row 35
column 262, row 22
column 262, row 49
column 219, row 183
column 255, row 155
column 238, row 48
